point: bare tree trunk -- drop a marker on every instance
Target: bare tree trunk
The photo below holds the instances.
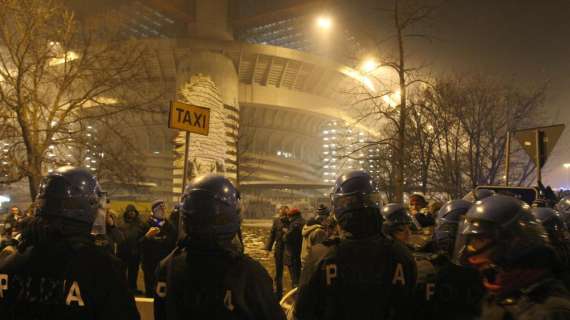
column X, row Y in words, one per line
column 401, row 150
column 34, row 180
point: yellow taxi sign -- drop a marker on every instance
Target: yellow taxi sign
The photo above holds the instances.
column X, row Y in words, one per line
column 187, row 117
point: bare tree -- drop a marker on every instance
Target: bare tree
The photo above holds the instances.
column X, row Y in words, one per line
column 406, row 16
column 58, row 77
column 471, row 118
column 385, row 101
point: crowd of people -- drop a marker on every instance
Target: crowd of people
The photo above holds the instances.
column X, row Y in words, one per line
column 136, row 242
column 487, row 256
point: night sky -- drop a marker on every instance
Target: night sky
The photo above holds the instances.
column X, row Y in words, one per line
column 521, row 40
column 524, row 41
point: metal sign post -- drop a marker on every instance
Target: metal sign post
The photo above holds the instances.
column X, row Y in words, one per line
column 539, row 163
column 507, row 158
column 186, row 148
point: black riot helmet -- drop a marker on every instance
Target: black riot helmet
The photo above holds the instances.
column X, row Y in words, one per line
column 552, row 223
column 500, row 230
column 355, row 204
column 70, row 193
column 210, row 208
column 448, row 220
column 564, row 204
column 395, row 217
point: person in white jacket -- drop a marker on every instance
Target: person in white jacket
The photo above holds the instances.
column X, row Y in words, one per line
column 315, row 231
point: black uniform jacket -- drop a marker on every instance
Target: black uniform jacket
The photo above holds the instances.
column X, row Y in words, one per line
column 276, row 236
column 205, row 284
column 65, row 279
column 371, row 278
column 545, row 300
column 445, row 290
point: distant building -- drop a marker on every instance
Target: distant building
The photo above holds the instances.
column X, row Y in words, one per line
column 271, row 84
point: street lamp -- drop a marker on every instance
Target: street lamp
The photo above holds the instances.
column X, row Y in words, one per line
column 369, row 65
column 324, row 22
column 4, row 199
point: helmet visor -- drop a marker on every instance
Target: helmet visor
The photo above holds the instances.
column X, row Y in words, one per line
column 444, row 236
column 355, row 201
column 473, row 237
column 564, row 204
column 99, row 226
column 199, row 201
column 201, row 207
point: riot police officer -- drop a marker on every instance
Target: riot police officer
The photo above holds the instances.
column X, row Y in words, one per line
column 58, row 272
column 398, row 223
column 509, row 247
column 563, row 204
column 208, row 276
column 558, row 237
column 362, row 275
column 563, row 208
column 455, row 291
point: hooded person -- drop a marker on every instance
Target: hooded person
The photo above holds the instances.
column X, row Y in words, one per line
column 114, row 234
column 133, row 229
column 315, row 231
column 275, row 243
column 157, row 243
column 293, row 245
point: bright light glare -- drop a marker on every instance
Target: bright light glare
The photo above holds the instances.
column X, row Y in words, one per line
column 4, row 199
column 361, row 78
column 398, row 95
column 368, row 83
column 567, row 165
column 324, row 22
column 67, row 57
column 369, row 65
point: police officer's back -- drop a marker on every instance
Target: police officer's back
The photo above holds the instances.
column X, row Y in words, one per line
column 208, row 276
column 362, row 275
column 455, row 291
column 58, row 272
column 510, row 248
column 557, row 233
